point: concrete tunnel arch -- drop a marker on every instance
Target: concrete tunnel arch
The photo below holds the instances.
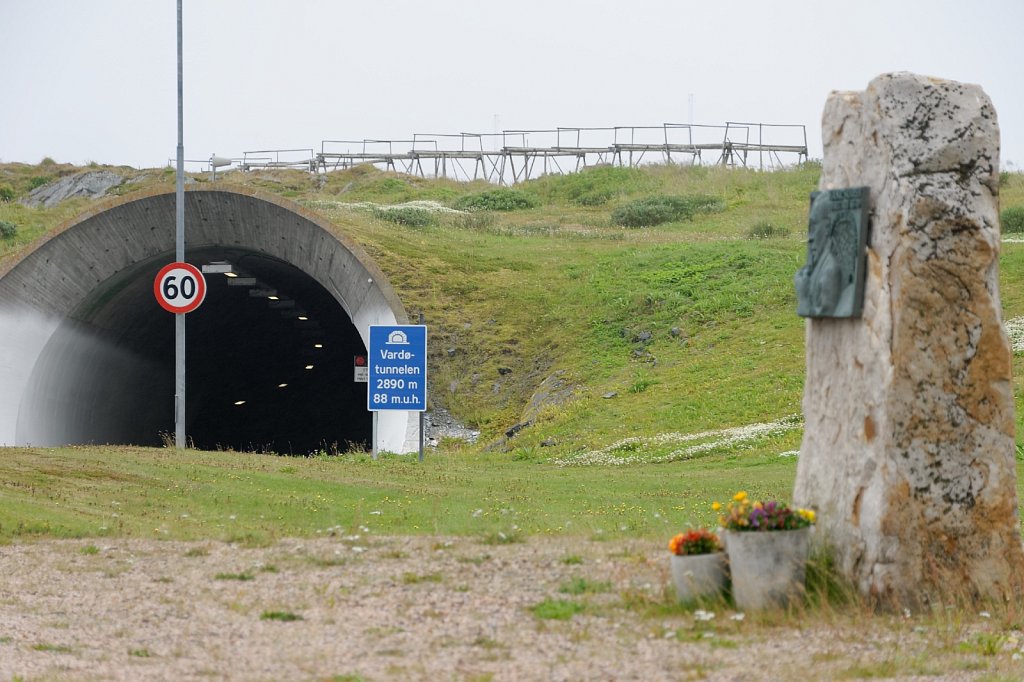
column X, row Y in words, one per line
column 84, row 346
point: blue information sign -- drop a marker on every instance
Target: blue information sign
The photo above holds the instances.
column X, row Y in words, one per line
column 398, row 368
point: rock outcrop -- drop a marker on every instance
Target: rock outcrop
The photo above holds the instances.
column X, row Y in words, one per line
column 908, row 451
column 91, row 184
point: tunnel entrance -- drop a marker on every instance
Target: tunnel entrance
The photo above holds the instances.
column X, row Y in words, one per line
column 269, row 359
column 269, row 353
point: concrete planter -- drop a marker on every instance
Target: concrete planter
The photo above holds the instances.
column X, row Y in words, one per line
column 698, row 576
column 767, row 567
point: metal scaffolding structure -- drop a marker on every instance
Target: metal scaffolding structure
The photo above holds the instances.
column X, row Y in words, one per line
column 513, row 156
column 303, row 159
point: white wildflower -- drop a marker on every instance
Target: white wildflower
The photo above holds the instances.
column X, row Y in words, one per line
column 737, row 616
column 702, row 615
column 423, row 205
column 631, row 450
column 1015, row 331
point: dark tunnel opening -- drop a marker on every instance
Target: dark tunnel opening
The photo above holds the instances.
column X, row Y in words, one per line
column 270, row 364
column 269, row 358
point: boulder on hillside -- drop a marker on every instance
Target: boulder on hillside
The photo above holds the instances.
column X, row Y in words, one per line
column 91, row 184
column 554, row 391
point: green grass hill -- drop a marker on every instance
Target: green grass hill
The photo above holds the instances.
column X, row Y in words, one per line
column 613, row 318
column 603, row 305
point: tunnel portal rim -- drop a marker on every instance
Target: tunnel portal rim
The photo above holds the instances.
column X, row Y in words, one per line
column 11, row 263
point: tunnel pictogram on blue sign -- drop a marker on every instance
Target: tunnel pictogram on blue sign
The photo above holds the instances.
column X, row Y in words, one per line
column 398, row 368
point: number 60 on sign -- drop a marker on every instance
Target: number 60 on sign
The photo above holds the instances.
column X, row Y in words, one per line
column 179, row 287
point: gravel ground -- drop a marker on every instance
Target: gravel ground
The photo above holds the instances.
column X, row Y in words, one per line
column 393, row 608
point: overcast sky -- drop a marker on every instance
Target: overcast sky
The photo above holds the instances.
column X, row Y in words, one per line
column 97, row 81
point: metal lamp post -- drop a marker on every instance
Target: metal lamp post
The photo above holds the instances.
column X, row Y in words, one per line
column 179, row 251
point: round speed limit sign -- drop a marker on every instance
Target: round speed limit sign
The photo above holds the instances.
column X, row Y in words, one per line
column 179, row 287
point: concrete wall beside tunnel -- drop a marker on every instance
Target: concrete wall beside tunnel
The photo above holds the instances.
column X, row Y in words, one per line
column 84, row 342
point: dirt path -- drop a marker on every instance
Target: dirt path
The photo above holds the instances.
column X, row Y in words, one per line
column 412, row 609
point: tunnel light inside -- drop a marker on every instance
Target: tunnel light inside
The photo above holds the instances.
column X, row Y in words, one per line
column 231, row 274
column 239, row 402
column 273, row 298
column 318, row 345
column 303, row 318
column 282, row 385
column 309, row 366
column 217, row 266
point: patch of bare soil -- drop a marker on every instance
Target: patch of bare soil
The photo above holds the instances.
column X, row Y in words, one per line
column 395, row 608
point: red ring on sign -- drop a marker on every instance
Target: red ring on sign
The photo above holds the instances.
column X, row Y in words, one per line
column 169, row 305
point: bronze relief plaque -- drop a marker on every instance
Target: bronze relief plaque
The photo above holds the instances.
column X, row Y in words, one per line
column 831, row 284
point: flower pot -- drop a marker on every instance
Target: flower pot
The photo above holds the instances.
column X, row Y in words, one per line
column 767, row 567
column 698, row 576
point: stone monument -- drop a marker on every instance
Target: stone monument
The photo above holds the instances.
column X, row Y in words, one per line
column 908, row 449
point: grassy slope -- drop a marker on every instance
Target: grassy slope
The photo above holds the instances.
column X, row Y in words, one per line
column 557, row 287
column 82, row 492
column 560, row 287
